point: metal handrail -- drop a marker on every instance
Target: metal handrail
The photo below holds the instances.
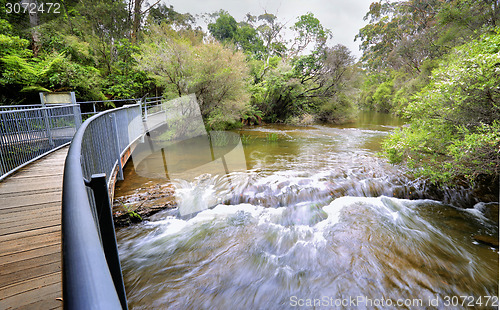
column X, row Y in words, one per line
column 30, row 133
column 92, row 276
column 103, row 102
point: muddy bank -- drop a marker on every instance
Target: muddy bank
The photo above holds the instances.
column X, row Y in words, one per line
column 142, row 203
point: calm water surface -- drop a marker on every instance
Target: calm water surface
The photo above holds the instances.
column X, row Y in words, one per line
column 275, row 216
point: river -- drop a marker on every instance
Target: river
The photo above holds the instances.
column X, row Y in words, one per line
column 276, row 217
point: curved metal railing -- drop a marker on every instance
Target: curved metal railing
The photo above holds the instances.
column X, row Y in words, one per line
column 28, row 133
column 92, row 276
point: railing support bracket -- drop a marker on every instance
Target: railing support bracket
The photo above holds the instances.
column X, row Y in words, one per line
column 107, row 232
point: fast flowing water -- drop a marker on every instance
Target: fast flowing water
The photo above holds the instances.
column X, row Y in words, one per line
column 281, row 217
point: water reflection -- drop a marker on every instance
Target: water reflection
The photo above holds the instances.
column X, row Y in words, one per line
column 179, row 149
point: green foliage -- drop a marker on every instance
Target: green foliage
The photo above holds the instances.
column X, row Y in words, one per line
column 163, row 13
column 251, row 115
column 454, row 129
column 58, row 73
column 15, row 58
column 133, row 216
column 272, row 137
column 218, row 79
column 98, row 49
column 338, row 109
column 243, row 35
column 309, row 30
column 382, row 97
column 248, row 40
column 219, row 120
column 225, row 27
column 314, row 84
column 246, row 139
column 276, row 95
column 125, row 81
column 404, row 39
column 216, row 74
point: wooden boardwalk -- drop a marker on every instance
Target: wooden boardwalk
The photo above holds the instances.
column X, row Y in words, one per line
column 30, row 235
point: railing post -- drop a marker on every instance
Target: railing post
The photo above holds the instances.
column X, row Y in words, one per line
column 45, row 116
column 107, row 233
column 77, row 113
column 3, row 160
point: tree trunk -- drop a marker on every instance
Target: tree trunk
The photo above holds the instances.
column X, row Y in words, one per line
column 34, row 23
column 136, row 23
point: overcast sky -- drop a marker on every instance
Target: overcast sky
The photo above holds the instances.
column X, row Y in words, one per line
column 343, row 17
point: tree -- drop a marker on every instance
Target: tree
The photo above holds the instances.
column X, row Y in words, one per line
column 270, row 31
column 242, row 35
column 126, row 81
column 404, row 39
column 309, row 30
column 167, row 60
column 454, row 121
column 399, row 34
column 15, row 60
column 163, row 13
column 102, row 23
column 225, row 27
column 137, row 14
column 219, row 82
column 216, row 74
column 323, row 72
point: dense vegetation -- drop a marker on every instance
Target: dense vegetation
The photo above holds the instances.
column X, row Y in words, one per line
column 241, row 72
column 437, row 63
column 433, row 62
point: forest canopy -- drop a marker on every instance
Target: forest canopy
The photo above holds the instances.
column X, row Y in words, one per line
column 241, row 71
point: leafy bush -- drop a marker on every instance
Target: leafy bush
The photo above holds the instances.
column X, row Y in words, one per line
column 454, row 129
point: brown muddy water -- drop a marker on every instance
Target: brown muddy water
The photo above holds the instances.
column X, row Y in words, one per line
column 281, row 217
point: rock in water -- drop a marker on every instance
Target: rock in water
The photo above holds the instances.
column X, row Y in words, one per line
column 487, row 240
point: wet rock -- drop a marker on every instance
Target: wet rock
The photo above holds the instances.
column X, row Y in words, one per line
column 491, row 211
column 487, row 240
column 145, row 202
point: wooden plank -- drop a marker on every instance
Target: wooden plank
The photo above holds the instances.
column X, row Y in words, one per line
column 52, row 167
column 30, row 235
column 34, row 207
column 31, row 273
column 28, row 286
column 31, row 254
column 25, row 227
column 28, row 216
column 50, row 301
column 31, row 223
column 41, row 178
column 28, row 243
column 30, row 191
column 42, row 163
column 26, row 264
column 36, row 198
column 32, row 175
column 40, row 183
column 26, row 187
